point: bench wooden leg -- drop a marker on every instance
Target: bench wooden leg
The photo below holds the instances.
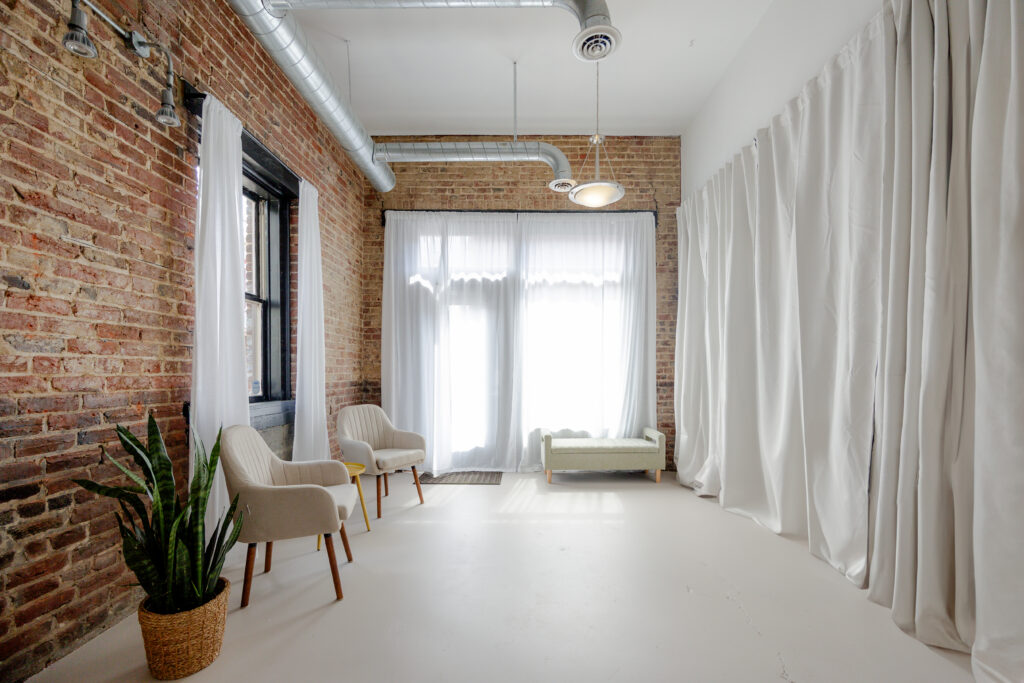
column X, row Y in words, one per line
column 657, row 476
column 548, row 472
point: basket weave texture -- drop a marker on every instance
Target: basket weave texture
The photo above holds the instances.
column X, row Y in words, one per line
column 178, row 645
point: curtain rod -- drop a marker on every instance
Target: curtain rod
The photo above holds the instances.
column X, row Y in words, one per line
column 576, row 211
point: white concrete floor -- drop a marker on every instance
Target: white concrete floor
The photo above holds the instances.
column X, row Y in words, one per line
column 598, row 577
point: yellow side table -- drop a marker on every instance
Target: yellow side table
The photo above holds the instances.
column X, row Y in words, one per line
column 354, row 470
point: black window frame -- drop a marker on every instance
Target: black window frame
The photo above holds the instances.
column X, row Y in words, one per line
column 263, row 182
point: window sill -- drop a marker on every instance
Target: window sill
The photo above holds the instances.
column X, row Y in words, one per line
column 267, row 414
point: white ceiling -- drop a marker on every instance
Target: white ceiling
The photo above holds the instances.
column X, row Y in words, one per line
column 449, row 71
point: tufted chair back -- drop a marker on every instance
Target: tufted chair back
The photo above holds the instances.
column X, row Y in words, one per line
column 367, row 423
column 248, row 460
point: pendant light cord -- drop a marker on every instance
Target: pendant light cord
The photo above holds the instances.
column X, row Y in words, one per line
column 597, row 98
column 515, row 101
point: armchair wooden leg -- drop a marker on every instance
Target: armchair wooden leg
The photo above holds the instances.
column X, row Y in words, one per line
column 266, row 560
column 657, row 476
column 318, row 542
column 386, row 491
column 344, row 542
column 548, row 472
column 250, row 560
column 378, row 496
column 329, row 542
column 416, row 478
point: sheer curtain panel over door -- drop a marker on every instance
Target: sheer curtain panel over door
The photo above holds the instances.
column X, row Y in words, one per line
column 496, row 325
column 850, row 355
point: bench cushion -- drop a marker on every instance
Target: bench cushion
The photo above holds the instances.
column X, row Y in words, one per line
column 610, row 446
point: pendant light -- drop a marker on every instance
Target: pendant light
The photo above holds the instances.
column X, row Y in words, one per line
column 597, row 192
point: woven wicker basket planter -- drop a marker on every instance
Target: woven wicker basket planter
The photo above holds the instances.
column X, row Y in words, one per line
column 178, row 645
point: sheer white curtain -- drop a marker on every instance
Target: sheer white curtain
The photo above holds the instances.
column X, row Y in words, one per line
column 843, row 277
column 311, row 440
column 219, row 394
column 497, row 325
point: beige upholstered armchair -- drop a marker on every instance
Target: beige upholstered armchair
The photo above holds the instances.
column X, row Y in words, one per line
column 282, row 500
column 367, row 436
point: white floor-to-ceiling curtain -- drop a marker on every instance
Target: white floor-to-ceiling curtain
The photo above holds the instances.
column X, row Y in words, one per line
column 840, row 281
column 496, row 325
column 997, row 300
column 311, row 440
column 220, row 397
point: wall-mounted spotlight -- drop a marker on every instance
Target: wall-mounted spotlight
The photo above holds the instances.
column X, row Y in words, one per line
column 77, row 42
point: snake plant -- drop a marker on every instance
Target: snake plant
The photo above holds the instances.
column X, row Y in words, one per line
column 164, row 538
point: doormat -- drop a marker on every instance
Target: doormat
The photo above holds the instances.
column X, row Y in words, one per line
column 463, row 478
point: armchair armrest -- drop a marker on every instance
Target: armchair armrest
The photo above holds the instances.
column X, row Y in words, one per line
column 319, row 472
column 408, row 440
column 276, row 513
column 657, row 437
column 545, row 440
column 360, row 452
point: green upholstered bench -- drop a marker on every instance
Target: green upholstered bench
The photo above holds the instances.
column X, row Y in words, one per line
column 647, row 453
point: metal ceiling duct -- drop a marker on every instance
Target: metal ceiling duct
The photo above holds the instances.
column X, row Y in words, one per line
column 596, row 40
column 287, row 44
column 481, row 151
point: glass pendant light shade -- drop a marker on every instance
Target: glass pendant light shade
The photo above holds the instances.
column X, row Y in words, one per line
column 597, row 193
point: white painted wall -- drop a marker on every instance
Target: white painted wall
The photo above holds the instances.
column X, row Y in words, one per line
column 791, row 44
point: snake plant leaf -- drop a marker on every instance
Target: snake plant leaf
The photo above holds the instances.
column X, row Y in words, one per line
column 163, row 470
column 127, row 494
column 141, row 564
column 135, row 479
column 141, row 456
column 222, row 554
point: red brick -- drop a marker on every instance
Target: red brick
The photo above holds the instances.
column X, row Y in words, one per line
column 42, row 606
column 39, row 445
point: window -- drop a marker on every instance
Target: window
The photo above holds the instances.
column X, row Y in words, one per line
column 266, row 200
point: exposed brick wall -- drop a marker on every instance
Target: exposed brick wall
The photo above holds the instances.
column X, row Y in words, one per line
column 648, row 167
column 97, row 208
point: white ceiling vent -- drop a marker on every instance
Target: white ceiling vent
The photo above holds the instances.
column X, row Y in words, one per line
column 594, row 43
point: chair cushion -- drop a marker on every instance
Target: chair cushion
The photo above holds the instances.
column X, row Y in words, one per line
column 603, row 446
column 389, row 459
column 346, row 496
